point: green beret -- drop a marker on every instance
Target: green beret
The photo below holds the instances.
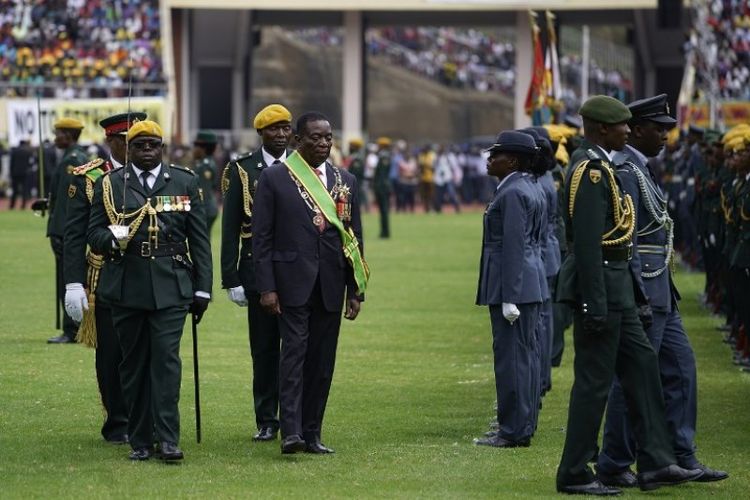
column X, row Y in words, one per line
column 205, row 137
column 605, row 109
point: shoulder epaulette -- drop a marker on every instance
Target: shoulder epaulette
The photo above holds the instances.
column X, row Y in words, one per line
column 86, row 167
column 182, row 169
column 244, row 156
column 592, row 154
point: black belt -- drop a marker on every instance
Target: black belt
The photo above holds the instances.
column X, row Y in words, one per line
column 617, row 253
column 147, row 249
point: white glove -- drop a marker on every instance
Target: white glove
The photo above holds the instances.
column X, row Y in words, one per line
column 237, row 295
column 510, row 312
column 712, row 239
column 75, row 301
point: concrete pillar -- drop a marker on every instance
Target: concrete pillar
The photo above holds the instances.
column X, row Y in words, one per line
column 524, row 62
column 353, row 60
column 242, row 48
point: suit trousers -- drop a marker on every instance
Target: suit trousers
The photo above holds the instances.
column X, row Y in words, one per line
column 623, row 349
column 678, row 379
column 544, row 341
column 263, row 330
column 309, row 336
column 516, row 371
column 108, row 359
column 151, row 371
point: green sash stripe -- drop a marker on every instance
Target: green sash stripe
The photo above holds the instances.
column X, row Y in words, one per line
column 322, row 198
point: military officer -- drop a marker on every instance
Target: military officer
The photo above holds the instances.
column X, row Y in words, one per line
column 204, row 165
column 81, row 272
column 608, row 336
column 510, row 282
column 239, row 181
column 157, row 268
column 356, row 166
column 67, row 133
column 652, row 243
column 382, row 184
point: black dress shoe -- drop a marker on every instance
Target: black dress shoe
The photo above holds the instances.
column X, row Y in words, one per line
column 141, row 454
column 169, row 452
column 595, row 487
column 265, row 434
column 624, row 479
column 499, row 442
column 318, row 448
column 292, row 444
column 667, row 476
column 118, row 439
column 61, row 339
column 709, row 474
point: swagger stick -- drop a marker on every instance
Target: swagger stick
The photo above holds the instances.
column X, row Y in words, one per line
column 195, row 377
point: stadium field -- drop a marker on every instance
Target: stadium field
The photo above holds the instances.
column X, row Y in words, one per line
column 413, row 385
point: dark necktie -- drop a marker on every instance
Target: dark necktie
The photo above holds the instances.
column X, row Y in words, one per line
column 322, row 225
column 144, row 180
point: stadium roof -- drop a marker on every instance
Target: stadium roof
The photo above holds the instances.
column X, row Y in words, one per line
column 410, row 5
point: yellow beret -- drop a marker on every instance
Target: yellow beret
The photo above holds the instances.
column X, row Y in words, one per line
column 146, row 127
column 673, row 136
column 383, row 141
column 741, row 130
column 561, row 154
column 69, row 123
column 560, row 133
column 735, row 145
column 273, row 113
column 356, row 142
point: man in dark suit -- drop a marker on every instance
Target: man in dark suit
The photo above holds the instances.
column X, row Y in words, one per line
column 239, row 182
column 82, row 269
column 307, row 240
column 510, row 282
column 22, row 162
column 652, row 243
column 596, row 280
column 158, row 268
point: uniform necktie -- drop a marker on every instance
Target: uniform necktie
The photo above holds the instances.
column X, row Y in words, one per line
column 322, row 224
column 144, row 180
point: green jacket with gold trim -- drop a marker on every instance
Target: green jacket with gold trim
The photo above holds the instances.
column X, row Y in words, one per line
column 590, row 278
column 59, row 193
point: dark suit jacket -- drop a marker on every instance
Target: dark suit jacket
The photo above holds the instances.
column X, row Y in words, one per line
column 153, row 283
column 508, row 269
column 290, row 253
column 659, row 289
column 237, row 266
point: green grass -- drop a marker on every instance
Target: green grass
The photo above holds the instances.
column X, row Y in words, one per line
column 413, row 386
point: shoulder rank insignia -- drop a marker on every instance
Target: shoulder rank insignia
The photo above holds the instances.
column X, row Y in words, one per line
column 595, row 175
column 87, row 167
column 71, row 191
column 225, row 180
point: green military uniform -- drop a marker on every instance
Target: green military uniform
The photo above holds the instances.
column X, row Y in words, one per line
column 60, row 192
column 97, row 329
column 382, row 189
column 609, row 339
column 739, row 256
column 357, row 169
column 208, row 180
column 150, row 285
column 238, row 184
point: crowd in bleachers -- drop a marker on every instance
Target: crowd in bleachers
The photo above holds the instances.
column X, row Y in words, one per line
column 723, row 45
column 79, row 48
column 472, row 59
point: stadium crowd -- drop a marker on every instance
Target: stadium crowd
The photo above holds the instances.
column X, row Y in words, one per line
column 79, row 48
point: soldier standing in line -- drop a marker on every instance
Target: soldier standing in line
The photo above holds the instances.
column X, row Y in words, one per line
column 652, row 241
column 205, row 166
column 238, row 185
column 510, row 283
column 67, row 132
column 608, row 336
column 157, row 268
column 81, row 272
column 382, row 184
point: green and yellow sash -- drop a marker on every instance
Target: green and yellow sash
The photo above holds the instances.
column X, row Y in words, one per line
column 309, row 180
